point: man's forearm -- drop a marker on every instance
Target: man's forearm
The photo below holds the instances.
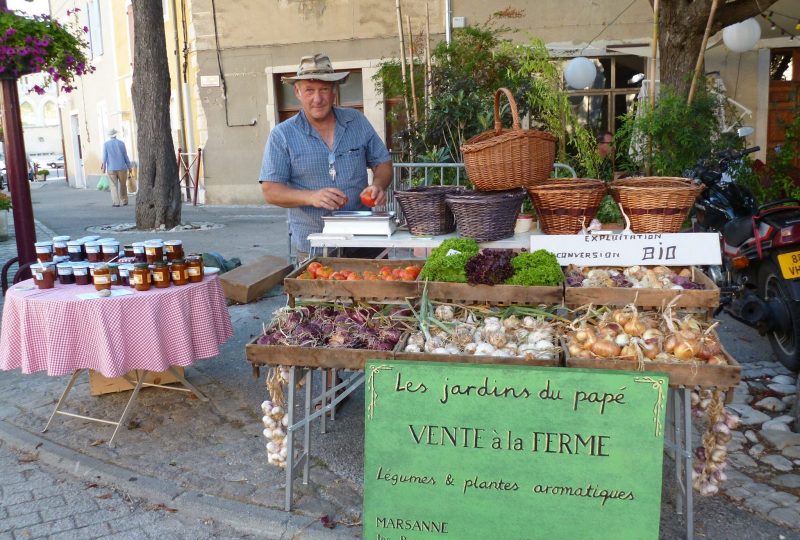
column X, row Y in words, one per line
column 284, row 196
column 382, row 175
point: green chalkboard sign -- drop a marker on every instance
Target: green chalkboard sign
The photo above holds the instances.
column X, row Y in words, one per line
column 471, row 451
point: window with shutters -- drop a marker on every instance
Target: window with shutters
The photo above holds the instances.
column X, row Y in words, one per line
column 95, row 29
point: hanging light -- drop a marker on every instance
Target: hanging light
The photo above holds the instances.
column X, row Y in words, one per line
column 743, row 36
column 580, row 72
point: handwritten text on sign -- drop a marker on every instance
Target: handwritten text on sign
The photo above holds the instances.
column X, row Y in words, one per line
column 679, row 249
column 474, row 452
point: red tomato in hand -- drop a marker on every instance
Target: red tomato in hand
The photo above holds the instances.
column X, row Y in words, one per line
column 367, row 200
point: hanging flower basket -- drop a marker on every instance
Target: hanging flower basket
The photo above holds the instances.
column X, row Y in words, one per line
column 41, row 44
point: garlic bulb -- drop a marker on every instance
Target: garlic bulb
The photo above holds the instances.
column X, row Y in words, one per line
column 444, row 313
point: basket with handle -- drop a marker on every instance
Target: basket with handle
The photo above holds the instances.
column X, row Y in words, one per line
column 425, row 210
column 502, row 159
column 486, row 215
column 655, row 203
column 566, row 205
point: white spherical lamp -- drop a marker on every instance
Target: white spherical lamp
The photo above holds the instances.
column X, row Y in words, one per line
column 743, row 36
column 580, row 72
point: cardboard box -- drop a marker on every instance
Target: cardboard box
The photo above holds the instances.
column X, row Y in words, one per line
column 250, row 281
column 99, row 385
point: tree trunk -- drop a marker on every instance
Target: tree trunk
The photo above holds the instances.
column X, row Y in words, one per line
column 158, row 201
column 682, row 23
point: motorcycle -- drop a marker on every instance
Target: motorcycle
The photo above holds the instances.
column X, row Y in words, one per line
column 760, row 273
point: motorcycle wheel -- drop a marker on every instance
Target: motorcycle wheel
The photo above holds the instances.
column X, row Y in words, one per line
column 785, row 342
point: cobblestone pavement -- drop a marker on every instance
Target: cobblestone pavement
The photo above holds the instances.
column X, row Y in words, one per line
column 43, row 502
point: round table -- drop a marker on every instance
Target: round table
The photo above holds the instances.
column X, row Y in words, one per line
column 62, row 332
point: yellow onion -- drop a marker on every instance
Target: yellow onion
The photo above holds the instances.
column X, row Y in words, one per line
column 670, row 343
column 584, row 334
column 605, row 348
column 621, row 317
column 634, row 327
column 652, row 333
column 629, row 352
column 575, row 350
column 650, row 349
column 606, row 331
column 686, row 349
column 717, row 360
column 708, row 347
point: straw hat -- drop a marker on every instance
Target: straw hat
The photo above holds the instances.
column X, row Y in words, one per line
column 318, row 68
column 111, row 132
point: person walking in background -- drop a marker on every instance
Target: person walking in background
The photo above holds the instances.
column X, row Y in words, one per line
column 117, row 166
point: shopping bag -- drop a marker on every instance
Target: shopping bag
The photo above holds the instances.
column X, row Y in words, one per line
column 102, row 184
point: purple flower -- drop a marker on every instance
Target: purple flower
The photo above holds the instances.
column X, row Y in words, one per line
column 23, row 51
column 10, row 32
column 38, row 89
column 85, row 29
column 28, row 39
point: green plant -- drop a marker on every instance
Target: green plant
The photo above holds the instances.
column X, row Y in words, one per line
column 43, row 173
column 39, row 43
column 5, row 202
column 448, row 261
column 538, row 268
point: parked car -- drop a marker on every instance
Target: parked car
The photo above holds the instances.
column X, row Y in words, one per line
column 57, row 163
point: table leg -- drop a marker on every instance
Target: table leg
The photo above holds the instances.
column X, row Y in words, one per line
column 139, row 380
column 688, row 466
column 307, row 427
column 63, row 397
column 324, row 400
column 334, row 384
column 290, row 439
column 187, row 384
column 679, row 449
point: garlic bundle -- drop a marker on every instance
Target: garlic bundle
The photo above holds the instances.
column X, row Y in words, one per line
column 275, row 418
column 637, row 277
column 465, row 331
column 711, row 457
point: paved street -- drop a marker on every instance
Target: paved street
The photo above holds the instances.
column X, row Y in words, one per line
column 184, row 468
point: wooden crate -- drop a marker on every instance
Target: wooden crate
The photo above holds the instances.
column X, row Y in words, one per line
column 359, row 289
column 99, row 385
column 249, row 282
column 707, row 298
column 468, row 358
column 499, row 295
column 680, row 373
column 311, row 357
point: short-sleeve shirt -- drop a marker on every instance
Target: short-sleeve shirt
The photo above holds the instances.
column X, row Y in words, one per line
column 297, row 156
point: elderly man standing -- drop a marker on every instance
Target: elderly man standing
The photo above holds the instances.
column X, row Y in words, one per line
column 117, row 165
column 317, row 161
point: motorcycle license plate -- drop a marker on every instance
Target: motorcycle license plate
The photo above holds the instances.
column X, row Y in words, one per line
column 790, row 264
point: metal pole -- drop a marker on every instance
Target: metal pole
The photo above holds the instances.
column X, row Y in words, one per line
column 16, row 167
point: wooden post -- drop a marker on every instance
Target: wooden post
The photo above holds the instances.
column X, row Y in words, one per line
column 702, row 53
column 403, row 61
column 653, row 73
column 411, row 69
column 428, row 68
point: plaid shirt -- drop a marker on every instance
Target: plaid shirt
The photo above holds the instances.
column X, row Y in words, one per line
column 296, row 156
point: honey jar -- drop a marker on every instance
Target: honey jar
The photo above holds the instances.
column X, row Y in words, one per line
column 140, row 277
column 44, row 275
column 180, row 272
column 102, row 277
column 60, row 246
column 161, row 275
column 173, row 249
column 44, row 251
column 154, row 251
column 66, row 274
column 194, row 265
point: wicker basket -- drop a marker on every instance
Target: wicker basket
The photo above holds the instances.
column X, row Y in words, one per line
column 503, row 159
column 564, row 206
column 425, row 211
column 655, row 203
column 486, row 216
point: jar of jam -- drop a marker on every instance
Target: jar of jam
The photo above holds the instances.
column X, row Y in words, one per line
column 102, row 277
column 138, row 252
column 124, row 274
column 60, row 246
column 161, row 274
column 66, row 275
column 93, row 253
column 81, row 272
column 127, row 250
column 110, row 250
column 180, row 272
column 44, row 251
column 44, row 275
column 140, row 277
column 113, row 270
column 194, row 265
column 173, row 249
column 154, row 251
column 75, row 251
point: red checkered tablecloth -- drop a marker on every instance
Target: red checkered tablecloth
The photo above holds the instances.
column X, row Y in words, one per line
column 56, row 331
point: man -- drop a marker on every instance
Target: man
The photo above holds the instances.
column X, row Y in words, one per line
column 317, row 161
column 605, row 150
column 116, row 165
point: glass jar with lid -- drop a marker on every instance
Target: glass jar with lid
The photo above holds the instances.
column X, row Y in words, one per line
column 44, row 275
column 66, row 274
column 161, row 274
column 173, row 249
column 93, row 252
column 140, row 277
column 110, row 250
column 102, row 277
column 180, row 272
column 138, row 252
column 154, row 251
column 194, row 265
column 60, row 245
column 81, row 272
column 44, row 251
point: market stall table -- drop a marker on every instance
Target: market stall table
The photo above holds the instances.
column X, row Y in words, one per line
column 125, row 335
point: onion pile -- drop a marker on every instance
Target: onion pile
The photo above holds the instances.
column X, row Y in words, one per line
column 709, row 469
column 275, row 418
column 637, row 277
column 644, row 337
column 481, row 331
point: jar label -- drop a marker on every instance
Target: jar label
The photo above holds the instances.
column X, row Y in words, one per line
column 92, row 249
column 101, row 279
column 42, row 249
column 176, row 276
column 81, row 271
column 60, row 244
column 150, row 250
column 194, row 271
column 39, row 276
column 137, row 279
column 138, row 249
column 158, row 276
column 74, row 249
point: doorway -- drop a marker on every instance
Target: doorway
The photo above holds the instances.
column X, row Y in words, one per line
column 784, row 95
column 77, row 157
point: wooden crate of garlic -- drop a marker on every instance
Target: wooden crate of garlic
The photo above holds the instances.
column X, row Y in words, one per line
column 483, row 335
column 644, row 286
column 683, row 345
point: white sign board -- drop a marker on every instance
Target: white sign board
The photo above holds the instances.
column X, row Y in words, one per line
column 680, row 249
column 208, row 81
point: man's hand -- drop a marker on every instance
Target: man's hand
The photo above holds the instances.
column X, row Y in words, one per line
column 328, row 198
column 376, row 193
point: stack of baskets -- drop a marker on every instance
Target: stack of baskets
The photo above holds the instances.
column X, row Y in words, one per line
column 564, row 206
column 425, row 210
column 655, row 203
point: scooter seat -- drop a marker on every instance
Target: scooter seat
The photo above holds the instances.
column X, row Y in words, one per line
column 737, row 231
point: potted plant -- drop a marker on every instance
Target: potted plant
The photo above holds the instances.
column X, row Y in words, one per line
column 5, row 206
column 43, row 173
column 42, row 44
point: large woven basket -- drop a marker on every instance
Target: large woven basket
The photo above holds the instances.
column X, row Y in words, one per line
column 486, row 216
column 566, row 205
column 425, row 211
column 503, row 159
column 655, row 203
